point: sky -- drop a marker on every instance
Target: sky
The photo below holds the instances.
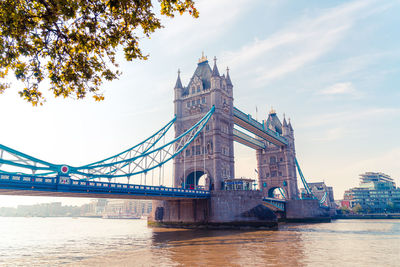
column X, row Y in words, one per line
column 332, row 67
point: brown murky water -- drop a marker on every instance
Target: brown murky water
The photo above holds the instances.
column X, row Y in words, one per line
column 97, row 242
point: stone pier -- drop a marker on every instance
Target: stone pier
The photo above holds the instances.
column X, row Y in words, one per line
column 225, row 209
column 306, row 210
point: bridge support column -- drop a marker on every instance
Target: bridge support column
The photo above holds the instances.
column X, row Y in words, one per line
column 225, row 209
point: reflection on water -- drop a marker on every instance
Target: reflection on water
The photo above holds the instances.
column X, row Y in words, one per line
column 98, row 242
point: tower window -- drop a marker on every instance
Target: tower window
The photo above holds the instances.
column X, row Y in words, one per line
column 272, row 160
column 198, row 101
column 188, row 104
column 281, row 159
column 198, row 88
column 203, row 100
column 193, row 102
column 193, row 90
column 273, row 174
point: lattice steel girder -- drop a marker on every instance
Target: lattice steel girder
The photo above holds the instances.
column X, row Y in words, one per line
column 144, row 162
column 16, row 162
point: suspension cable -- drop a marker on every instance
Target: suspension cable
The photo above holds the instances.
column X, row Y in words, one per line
column 184, row 170
column 204, row 157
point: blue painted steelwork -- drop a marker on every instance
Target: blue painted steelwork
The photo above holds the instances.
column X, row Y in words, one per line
column 282, row 192
column 22, row 160
column 275, row 204
column 157, row 156
column 307, row 188
column 247, row 140
column 138, row 159
column 142, row 147
column 323, row 199
column 247, row 122
column 65, row 186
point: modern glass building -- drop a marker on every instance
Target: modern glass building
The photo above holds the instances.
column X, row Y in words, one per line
column 377, row 193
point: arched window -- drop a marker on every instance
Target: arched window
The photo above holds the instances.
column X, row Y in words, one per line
column 272, row 160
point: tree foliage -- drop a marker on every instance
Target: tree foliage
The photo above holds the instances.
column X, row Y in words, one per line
column 357, row 209
column 73, row 43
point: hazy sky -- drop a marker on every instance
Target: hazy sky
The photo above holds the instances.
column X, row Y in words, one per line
column 331, row 66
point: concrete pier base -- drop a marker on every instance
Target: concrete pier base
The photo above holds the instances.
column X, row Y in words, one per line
column 225, row 209
column 306, row 210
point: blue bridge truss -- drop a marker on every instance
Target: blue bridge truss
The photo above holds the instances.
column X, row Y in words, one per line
column 22, row 174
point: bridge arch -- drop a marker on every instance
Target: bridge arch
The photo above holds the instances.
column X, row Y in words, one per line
column 197, row 177
column 277, row 192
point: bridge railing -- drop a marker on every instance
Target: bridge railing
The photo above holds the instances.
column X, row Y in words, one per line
column 66, row 181
column 247, row 117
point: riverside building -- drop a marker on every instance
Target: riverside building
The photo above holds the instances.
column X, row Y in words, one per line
column 377, row 193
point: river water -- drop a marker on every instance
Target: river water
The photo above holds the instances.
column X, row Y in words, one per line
column 101, row 242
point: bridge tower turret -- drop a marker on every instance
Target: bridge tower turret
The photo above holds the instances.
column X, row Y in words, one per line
column 178, row 89
column 211, row 153
column 276, row 165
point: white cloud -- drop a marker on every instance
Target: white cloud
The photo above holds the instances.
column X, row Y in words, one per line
column 344, row 88
column 331, row 135
column 343, row 117
column 387, row 162
column 302, row 42
column 215, row 17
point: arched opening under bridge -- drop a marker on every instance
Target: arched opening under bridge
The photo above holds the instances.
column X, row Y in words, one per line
column 277, row 192
column 196, row 180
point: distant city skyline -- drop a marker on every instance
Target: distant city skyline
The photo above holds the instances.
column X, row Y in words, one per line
column 331, row 67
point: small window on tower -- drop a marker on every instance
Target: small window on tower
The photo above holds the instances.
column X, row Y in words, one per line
column 193, row 90
column 193, row 102
column 198, row 101
column 203, row 100
column 198, row 88
column 188, row 104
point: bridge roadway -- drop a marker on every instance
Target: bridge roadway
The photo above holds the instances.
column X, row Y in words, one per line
column 66, row 187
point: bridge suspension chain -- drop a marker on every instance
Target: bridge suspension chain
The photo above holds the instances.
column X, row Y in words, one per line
column 146, row 161
column 139, row 159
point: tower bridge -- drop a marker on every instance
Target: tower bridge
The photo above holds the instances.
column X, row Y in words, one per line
column 206, row 124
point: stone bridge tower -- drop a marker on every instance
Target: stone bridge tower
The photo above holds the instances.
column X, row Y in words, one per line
column 276, row 165
column 211, row 153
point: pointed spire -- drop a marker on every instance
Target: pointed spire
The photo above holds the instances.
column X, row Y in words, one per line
column 203, row 58
column 284, row 121
column 215, row 72
column 290, row 125
column 178, row 81
column 228, row 78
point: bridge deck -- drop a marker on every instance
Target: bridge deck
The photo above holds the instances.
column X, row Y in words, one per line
column 66, row 187
column 275, row 204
